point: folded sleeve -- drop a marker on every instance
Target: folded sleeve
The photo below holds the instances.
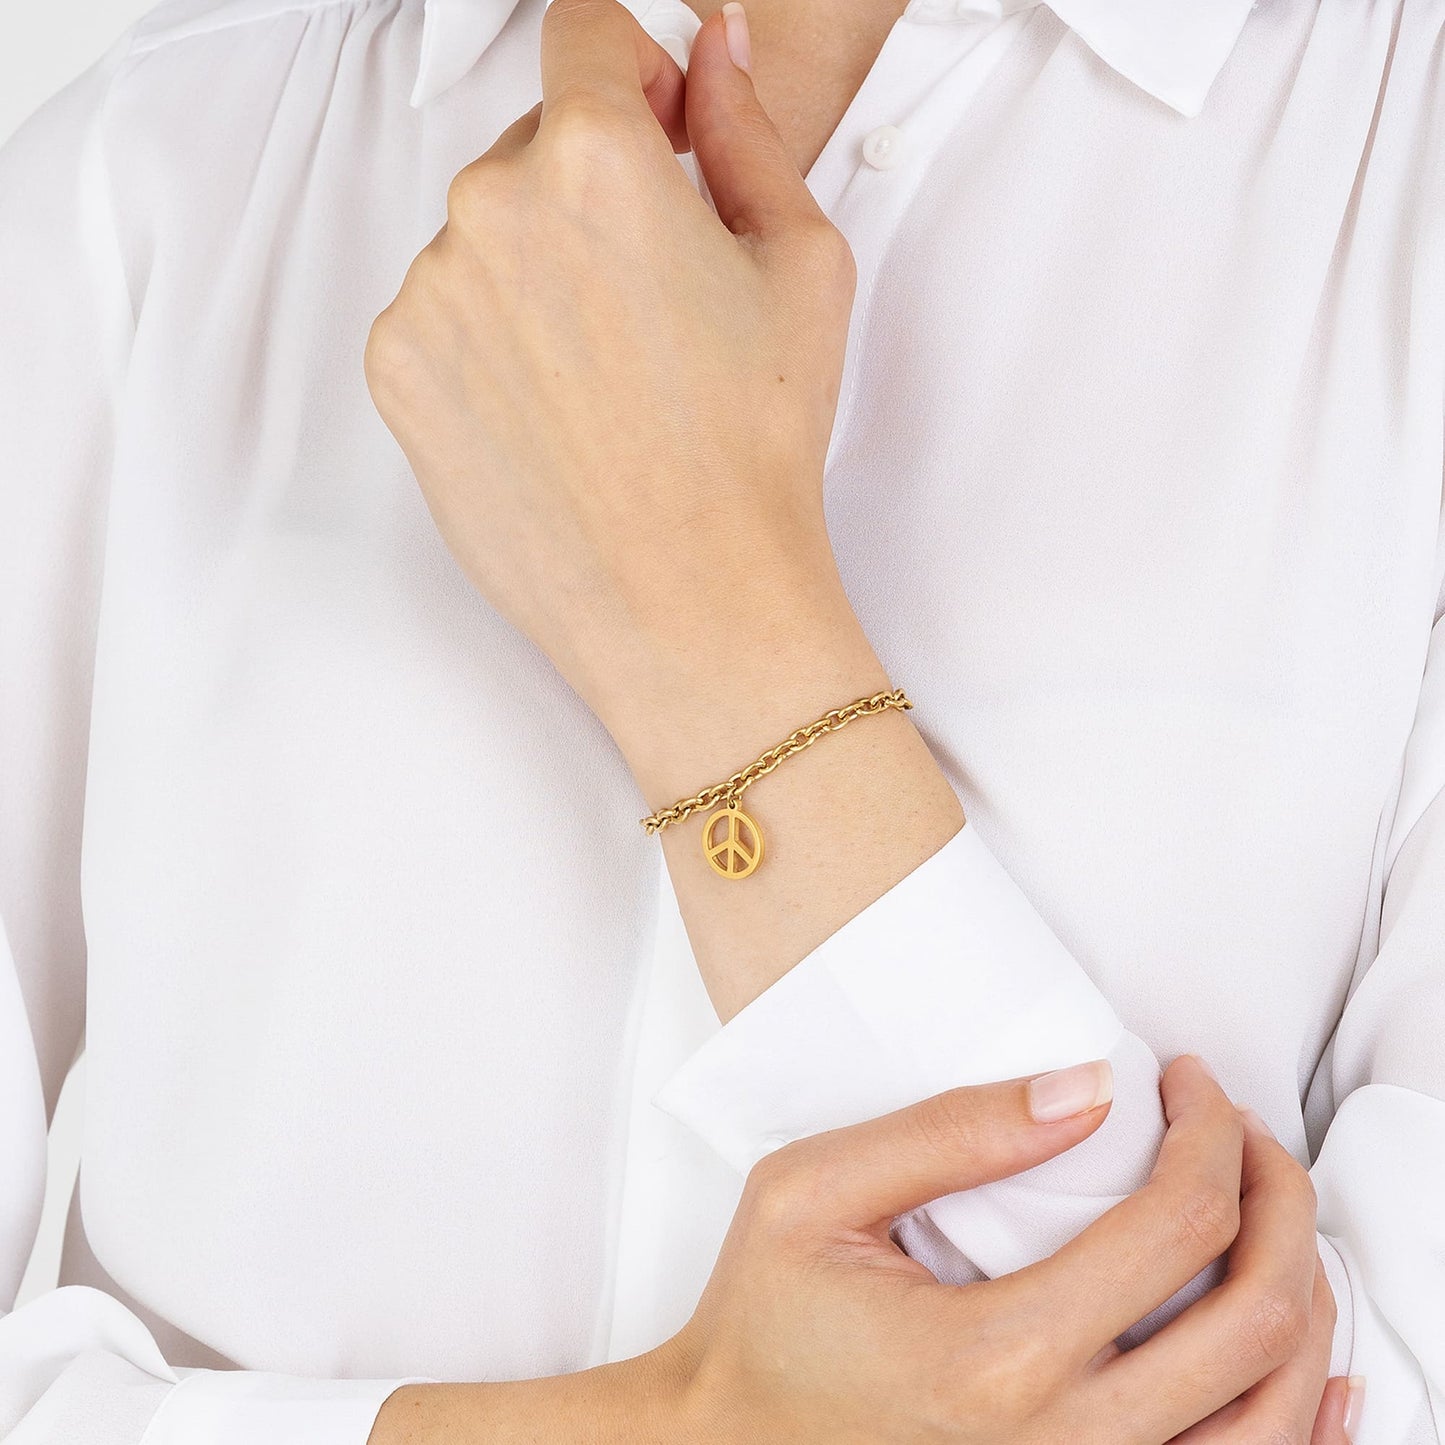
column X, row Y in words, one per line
column 951, row 977
column 77, row 1367
column 1380, row 1169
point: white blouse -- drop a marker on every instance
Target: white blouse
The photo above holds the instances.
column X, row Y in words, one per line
column 398, row 1062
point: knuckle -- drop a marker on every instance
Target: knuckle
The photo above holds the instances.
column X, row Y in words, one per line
column 1208, row 1219
column 582, row 130
column 820, row 251
column 468, row 196
column 780, row 1192
column 1280, row 1432
column 1304, row 1188
column 386, row 354
column 1278, row 1325
column 829, row 255
column 1287, row 1178
column 767, row 1174
column 943, row 1124
column 1295, row 1191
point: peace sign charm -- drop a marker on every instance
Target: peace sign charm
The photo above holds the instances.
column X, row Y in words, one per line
column 738, row 848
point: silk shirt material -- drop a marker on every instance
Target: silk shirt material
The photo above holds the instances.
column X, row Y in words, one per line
column 398, row 1063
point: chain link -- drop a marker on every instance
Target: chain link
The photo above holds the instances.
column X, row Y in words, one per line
column 730, row 789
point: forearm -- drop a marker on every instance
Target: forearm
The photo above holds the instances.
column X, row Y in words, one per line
column 632, row 1402
column 955, row 980
column 844, row 819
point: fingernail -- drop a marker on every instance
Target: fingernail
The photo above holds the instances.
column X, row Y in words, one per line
column 1255, row 1122
column 735, row 28
column 1204, row 1064
column 1066, row 1092
column 1354, row 1401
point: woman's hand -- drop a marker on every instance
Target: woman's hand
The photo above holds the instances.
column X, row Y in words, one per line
column 618, row 406
column 1297, row 1402
column 617, row 403
column 815, row 1328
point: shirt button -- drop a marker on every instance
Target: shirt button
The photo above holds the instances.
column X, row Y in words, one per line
column 883, row 147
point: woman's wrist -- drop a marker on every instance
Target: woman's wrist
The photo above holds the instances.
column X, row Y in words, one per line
column 639, row 1401
column 698, row 711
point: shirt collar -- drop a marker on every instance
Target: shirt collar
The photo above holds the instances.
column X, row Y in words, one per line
column 1173, row 49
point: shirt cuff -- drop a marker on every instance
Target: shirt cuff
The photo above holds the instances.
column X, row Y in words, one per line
column 1337, row 1273
column 949, row 978
column 1379, row 1177
column 242, row 1407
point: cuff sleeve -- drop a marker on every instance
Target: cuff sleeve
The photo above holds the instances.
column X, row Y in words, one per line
column 246, row 1407
column 78, row 1368
column 951, row 977
column 1380, row 1178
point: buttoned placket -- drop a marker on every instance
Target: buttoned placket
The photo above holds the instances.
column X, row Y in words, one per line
column 933, row 61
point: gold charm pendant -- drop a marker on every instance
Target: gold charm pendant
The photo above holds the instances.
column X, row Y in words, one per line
column 735, row 849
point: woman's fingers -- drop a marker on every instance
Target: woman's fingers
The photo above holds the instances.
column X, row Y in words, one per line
column 1339, row 1412
column 627, row 62
column 862, row 1176
column 1292, row 1398
column 1150, row 1245
column 656, row 73
column 596, row 52
column 750, row 173
column 1329, row 1427
column 1291, row 1402
column 1247, row 1327
column 516, row 136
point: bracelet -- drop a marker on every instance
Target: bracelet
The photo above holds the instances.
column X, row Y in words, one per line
column 739, row 849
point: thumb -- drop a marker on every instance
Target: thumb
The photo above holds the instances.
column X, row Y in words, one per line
column 754, row 184
column 959, row 1139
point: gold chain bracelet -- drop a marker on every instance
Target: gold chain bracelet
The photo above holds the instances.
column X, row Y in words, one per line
column 740, row 848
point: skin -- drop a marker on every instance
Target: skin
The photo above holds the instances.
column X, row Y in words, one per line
column 618, row 404
column 815, row 1329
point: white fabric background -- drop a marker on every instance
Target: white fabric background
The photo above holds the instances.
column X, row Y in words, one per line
column 44, row 1265
column 41, row 48
column 1292, row 789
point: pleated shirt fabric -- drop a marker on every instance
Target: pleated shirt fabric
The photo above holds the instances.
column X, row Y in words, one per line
column 398, row 1064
